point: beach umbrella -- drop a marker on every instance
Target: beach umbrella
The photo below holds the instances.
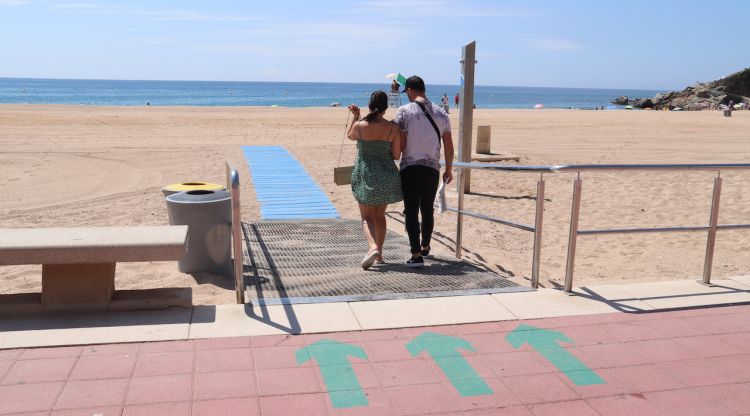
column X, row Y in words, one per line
column 538, row 106
column 628, row 107
column 391, row 76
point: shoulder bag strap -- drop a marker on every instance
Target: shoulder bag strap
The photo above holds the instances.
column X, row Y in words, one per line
column 429, row 117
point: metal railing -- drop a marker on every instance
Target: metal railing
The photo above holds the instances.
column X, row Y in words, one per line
column 711, row 228
column 233, row 184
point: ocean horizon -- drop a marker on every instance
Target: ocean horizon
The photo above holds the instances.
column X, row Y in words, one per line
column 284, row 94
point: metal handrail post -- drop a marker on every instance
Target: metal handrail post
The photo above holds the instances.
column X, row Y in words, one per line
column 572, row 238
column 713, row 222
column 233, row 183
column 537, row 233
column 460, row 219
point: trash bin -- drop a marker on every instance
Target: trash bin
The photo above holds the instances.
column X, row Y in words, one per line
column 191, row 186
column 208, row 215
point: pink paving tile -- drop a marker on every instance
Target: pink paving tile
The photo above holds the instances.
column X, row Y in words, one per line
column 164, row 363
column 93, row 393
column 304, row 404
column 630, row 331
column 688, row 402
column 167, row 346
column 247, row 406
column 501, row 396
column 662, row 350
column 675, row 327
column 586, row 335
column 739, row 340
column 158, row 409
column 223, row 385
column 29, row 414
column 515, row 363
column 39, row 370
column 280, row 381
column 37, row 353
column 403, row 373
column 613, row 385
column 734, row 397
column 347, row 337
column 488, row 343
column 222, row 343
column 98, row 411
column 277, row 357
column 92, row 367
column 10, row 354
column 476, row 328
column 504, row 411
column 159, row 389
column 111, row 349
column 378, row 404
column 277, row 341
column 708, row 371
column 612, row 355
column 707, row 346
column 572, row 408
column 28, row 397
column 423, row 398
column 4, row 367
column 365, row 373
column 645, row 378
column 224, row 360
column 383, row 334
column 625, row 405
column 717, row 324
column 540, row 388
column 387, row 350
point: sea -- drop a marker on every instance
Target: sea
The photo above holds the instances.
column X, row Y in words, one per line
column 284, row 94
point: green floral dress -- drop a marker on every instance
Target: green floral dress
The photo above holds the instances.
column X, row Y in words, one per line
column 375, row 178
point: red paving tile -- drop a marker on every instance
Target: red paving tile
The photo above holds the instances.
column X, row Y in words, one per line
column 277, row 357
column 158, row 409
column 630, row 331
column 164, row 363
column 277, row 341
column 613, row 385
column 248, row 406
column 424, row 398
column 613, row 355
column 503, row 411
column 488, row 343
column 281, row 381
column 674, row 327
column 501, row 396
column 98, row 411
column 92, row 367
column 645, row 378
column 708, row 371
column 572, row 408
column 383, row 334
column 111, row 349
column 303, row 404
column 404, row 373
column 159, row 389
column 37, row 353
column 220, row 385
column 365, row 373
column 4, row 367
column 707, row 346
column 529, row 388
column 387, row 350
column 28, row 397
column 688, row 402
column 378, row 404
column 92, row 393
column 39, row 371
column 516, row 363
column 167, row 346
column 662, row 350
column 6, row 355
column 739, row 340
column 626, row 405
column 224, row 360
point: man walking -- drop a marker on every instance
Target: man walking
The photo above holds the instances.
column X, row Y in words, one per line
column 425, row 124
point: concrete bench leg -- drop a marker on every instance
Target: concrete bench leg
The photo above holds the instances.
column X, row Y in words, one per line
column 78, row 283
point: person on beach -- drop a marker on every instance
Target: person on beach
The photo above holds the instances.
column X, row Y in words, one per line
column 445, row 101
column 375, row 178
column 424, row 125
column 455, row 99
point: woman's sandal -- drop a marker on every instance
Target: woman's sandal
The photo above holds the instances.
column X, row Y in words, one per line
column 369, row 259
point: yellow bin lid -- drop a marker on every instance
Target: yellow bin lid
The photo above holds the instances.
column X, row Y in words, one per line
column 192, row 186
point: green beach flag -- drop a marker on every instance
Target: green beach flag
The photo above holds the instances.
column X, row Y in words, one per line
column 400, row 79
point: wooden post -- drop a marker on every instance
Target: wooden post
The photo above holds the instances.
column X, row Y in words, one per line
column 466, row 109
column 484, row 135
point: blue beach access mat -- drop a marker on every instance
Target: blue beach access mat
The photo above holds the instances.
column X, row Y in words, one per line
column 283, row 187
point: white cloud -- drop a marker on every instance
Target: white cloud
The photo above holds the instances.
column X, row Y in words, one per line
column 415, row 9
column 555, row 45
column 13, row 2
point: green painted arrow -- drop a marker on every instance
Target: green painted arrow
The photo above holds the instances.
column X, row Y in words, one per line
column 545, row 342
column 443, row 349
column 338, row 374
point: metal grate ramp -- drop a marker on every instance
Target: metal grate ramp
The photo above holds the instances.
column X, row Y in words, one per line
column 313, row 261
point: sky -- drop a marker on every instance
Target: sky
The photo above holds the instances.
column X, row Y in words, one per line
column 638, row 44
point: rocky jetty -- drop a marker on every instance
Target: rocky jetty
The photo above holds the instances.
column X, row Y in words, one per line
column 700, row 96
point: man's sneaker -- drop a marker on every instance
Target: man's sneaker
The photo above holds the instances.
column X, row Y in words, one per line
column 425, row 252
column 415, row 262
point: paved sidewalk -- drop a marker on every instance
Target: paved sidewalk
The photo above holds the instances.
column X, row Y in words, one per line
column 690, row 362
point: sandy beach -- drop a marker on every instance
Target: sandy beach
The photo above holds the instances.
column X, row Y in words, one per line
column 98, row 166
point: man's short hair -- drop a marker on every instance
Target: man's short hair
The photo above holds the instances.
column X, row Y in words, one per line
column 414, row 82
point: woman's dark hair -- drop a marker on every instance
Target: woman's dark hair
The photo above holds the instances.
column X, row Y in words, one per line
column 378, row 104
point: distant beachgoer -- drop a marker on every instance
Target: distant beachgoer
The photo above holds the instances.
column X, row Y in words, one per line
column 455, row 100
column 394, row 86
column 148, row 103
column 446, row 107
column 375, row 178
column 425, row 125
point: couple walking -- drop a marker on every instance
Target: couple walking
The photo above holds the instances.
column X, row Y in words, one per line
column 414, row 136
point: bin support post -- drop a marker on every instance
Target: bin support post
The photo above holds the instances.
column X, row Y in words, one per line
column 233, row 184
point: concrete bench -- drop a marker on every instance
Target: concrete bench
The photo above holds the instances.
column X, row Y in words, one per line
column 78, row 264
